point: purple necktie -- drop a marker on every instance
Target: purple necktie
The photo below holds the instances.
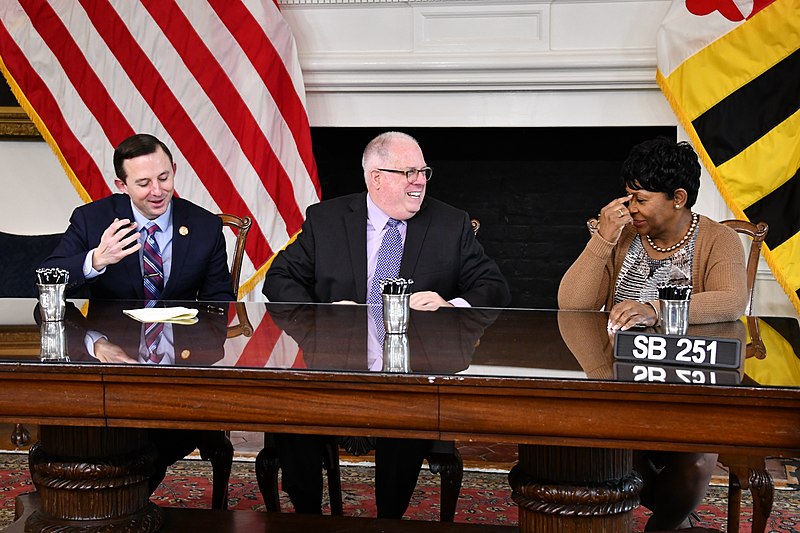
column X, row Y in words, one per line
column 388, row 263
column 152, row 266
column 387, row 266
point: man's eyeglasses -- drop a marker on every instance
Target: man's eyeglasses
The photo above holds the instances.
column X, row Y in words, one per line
column 411, row 173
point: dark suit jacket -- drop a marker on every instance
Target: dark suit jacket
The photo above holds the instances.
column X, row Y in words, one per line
column 328, row 261
column 199, row 261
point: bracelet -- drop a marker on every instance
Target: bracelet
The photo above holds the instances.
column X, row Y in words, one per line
column 655, row 309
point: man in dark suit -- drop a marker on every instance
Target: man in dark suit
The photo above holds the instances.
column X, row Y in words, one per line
column 102, row 246
column 103, row 250
column 334, row 259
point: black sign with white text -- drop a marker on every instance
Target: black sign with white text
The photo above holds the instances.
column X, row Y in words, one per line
column 658, row 349
column 647, row 373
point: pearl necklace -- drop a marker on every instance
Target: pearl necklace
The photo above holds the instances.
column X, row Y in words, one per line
column 695, row 218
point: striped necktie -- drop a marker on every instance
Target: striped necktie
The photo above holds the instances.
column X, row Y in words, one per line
column 152, row 265
column 153, row 331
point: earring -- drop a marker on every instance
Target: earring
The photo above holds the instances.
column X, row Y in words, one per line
column 677, row 206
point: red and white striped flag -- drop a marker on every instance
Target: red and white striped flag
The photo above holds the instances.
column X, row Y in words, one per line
column 217, row 80
column 267, row 347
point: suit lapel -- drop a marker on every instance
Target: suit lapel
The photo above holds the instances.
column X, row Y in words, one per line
column 356, row 228
column 180, row 246
column 415, row 235
column 132, row 263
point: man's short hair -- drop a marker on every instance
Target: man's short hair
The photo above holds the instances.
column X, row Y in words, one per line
column 135, row 146
column 379, row 145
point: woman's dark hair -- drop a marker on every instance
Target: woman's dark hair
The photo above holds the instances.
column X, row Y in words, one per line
column 663, row 165
column 135, row 146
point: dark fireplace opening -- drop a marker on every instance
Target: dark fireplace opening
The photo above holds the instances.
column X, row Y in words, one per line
column 531, row 188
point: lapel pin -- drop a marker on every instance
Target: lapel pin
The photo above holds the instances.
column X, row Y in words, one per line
column 183, row 230
column 185, row 354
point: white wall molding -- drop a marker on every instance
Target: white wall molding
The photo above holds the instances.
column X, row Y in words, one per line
column 478, row 72
column 475, row 45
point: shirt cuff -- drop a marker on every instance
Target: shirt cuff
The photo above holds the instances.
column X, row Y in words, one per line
column 88, row 271
column 459, row 302
column 91, row 338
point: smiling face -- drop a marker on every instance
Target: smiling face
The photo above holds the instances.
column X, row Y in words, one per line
column 654, row 213
column 392, row 192
column 149, row 182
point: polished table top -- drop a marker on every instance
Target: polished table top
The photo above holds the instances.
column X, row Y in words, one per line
column 511, row 374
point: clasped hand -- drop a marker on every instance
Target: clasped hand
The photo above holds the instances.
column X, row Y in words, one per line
column 630, row 314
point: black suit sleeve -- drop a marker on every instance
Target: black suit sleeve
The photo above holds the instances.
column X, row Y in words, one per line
column 217, row 285
column 70, row 253
column 290, row 278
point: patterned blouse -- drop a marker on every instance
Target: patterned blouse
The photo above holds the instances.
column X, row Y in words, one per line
column 641, row 275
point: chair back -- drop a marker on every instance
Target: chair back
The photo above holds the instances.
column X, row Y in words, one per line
column 757, row 232
column 240, row 227
column 20, row 256
column 476, row 225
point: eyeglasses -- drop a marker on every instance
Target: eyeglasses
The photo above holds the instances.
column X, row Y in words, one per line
column 411, row 173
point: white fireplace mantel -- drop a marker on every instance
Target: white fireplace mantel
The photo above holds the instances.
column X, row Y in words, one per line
column 479, row 62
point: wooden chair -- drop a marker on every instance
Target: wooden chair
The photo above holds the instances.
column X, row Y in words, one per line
column 241, row 227
column 215, row 446
column 749, row 472
column 443, row 458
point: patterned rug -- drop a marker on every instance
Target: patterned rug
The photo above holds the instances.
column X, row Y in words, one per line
column 485, row 496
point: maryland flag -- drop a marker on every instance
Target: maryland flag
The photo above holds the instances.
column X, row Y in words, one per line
column 731, row 71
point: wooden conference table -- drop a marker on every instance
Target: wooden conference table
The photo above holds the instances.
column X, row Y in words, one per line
column 546, row 380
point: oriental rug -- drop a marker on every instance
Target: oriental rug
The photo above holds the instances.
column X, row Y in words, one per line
column 485, row 496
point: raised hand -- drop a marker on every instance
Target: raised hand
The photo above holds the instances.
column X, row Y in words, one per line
column 115, row 244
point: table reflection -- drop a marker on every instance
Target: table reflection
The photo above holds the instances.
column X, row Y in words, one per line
column 568, row 345
column 336, row 337
column 105, row 335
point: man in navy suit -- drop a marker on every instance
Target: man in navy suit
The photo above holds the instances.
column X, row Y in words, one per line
column 103, row 251
column 102, row 246
column 334, row 260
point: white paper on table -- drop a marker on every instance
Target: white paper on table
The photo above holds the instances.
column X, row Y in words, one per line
column 176, row 315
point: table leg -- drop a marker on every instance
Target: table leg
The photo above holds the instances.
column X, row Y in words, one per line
column 565, row 489
column 92, row 480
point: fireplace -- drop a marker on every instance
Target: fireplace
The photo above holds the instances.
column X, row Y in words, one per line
column 531, row 188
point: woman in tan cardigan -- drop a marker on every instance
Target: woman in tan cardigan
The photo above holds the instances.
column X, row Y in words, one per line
column 647, row 239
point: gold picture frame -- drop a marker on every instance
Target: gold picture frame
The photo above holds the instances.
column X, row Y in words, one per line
column 14, row 123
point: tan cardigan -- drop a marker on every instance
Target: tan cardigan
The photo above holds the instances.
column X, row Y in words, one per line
column 719, row 279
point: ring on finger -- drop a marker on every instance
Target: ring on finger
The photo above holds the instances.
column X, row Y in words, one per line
column 621, row 212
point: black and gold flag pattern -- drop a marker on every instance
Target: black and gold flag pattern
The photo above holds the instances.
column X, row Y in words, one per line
column 733, row 80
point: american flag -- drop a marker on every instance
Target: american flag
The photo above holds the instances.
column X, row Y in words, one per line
column 267, row 347
column 217, row 80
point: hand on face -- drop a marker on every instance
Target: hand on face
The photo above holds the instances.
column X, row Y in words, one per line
column 115, row 244
column 614, row 217
column 427, row 301
column 629, row 314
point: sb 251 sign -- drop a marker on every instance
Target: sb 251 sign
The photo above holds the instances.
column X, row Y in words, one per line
column 677, row 350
